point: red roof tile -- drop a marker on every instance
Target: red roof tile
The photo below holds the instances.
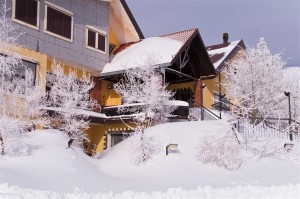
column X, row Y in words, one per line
column 123, row 47
column 181, row 36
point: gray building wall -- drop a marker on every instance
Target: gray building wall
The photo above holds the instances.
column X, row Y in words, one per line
column 85, row 12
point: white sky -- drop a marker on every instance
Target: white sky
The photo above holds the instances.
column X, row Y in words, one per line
column 278, row 21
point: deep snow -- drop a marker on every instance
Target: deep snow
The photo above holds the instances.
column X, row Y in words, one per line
column 51, row 170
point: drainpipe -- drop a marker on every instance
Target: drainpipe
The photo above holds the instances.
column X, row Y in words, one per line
column 288, row 94
column 220, row 94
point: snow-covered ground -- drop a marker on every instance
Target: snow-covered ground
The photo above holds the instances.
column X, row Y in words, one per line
column 50, row 170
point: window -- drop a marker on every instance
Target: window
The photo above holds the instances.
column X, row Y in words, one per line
column 58, row 22
column 26, row 65
column 96, row 39
column 183, row 94
column 26, row 12
column 116, row 136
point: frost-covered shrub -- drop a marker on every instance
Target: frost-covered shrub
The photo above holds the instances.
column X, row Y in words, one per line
column 224, row 152
column 143, row 146
column 11, row 137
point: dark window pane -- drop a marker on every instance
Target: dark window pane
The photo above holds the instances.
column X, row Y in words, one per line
column 59, row 23
column 91, row 38
column 101, row 42
column 26, row 11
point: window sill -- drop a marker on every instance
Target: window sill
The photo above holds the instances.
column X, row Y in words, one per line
column 97, row 50
column 25, row 24
column 58, row 36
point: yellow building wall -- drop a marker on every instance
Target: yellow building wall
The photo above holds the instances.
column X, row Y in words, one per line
column 212, row 86
column 208, row 92
column 113, row 39
column 66, row 68
column 96, row 134
column 109, row 96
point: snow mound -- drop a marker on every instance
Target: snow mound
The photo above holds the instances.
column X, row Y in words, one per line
column 183, row 169
column 284, row 191
column 51, row 166
column 54, row 170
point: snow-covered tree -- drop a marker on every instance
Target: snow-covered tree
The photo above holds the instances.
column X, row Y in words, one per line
column 255, row 83
column 69, row 96
column 144, row 85
column 16, row 93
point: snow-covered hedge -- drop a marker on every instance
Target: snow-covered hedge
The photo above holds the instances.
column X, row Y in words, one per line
column 224, row 152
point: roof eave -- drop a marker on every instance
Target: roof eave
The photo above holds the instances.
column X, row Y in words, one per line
column 132, row 19
column 240, row 46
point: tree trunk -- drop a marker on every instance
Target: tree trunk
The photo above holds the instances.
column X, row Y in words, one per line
column 2, row 145
column 70, row 142
column 143, row 147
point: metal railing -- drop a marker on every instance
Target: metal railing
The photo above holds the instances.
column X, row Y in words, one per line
column 201, row 110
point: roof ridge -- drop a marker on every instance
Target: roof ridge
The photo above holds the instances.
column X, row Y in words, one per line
column 194, row 29
column 238, row 41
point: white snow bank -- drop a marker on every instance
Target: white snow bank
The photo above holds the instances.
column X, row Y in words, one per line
column 178, row 103
column 285, row 191
column 51, row 166
column 153, row 50
column 52, row 170
column 183, row 170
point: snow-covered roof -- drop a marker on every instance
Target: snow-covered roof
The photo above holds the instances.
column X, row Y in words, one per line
column 219, row 53
column 79, row 111
column 156, row 50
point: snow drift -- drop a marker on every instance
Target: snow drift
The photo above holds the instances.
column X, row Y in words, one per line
column 52, row 170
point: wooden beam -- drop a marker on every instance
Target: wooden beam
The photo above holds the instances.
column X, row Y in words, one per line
column 180, row 74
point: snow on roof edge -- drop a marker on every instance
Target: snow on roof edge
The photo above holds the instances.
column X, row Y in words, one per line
column 155, row 50
column 226, row 50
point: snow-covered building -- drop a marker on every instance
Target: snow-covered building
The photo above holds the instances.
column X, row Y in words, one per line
column 220, row 54
column 103, row 37
column 180, row 57
column 78, row 34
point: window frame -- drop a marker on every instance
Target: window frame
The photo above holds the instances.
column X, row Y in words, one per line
column 98, row 32
column 37, row 27
column 37, row 64
column 62, row 10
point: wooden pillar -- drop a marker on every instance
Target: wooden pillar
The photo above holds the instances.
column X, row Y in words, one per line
column 198, row 93
column 96, row 91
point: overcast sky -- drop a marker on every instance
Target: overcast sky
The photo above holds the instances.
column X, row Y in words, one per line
column 278, row 21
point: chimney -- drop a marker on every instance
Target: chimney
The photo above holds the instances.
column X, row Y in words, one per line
column 225, row 38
